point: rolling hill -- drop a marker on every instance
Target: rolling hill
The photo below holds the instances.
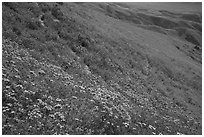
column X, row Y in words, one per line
column 101, row 68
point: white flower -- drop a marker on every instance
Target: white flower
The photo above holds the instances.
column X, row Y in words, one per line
column 151, row 127
column 41, row 72
column 58, row 100
column 58, row 106
column 74, row 97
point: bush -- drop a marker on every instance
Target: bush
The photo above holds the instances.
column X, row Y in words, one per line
column 197, row 47
column 16, row 31
column 91, row 59
column 78, row 49
column 32, row 25
column 84, row 41
column 11, row 5
column 64, row 35
column 56, row 12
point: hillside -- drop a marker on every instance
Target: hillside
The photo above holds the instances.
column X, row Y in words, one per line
column 100, row 68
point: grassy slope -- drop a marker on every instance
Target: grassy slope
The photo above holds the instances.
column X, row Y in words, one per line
column 77, row 70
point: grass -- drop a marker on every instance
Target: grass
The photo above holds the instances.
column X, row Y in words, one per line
column 65, row 77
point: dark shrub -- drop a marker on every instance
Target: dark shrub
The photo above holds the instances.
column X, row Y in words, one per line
column 85, row 44
column 56, row 12
column 32, row 25
column 64, row 35
column 16, row 31
column 67, row 66
column 11, row 5
column 92, row 59
column 197, row 47
column 84, row 41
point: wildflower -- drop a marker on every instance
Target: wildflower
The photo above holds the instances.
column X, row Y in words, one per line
column 74, row 97
column 58, row 106
column 151, row 127
column 41, row 72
